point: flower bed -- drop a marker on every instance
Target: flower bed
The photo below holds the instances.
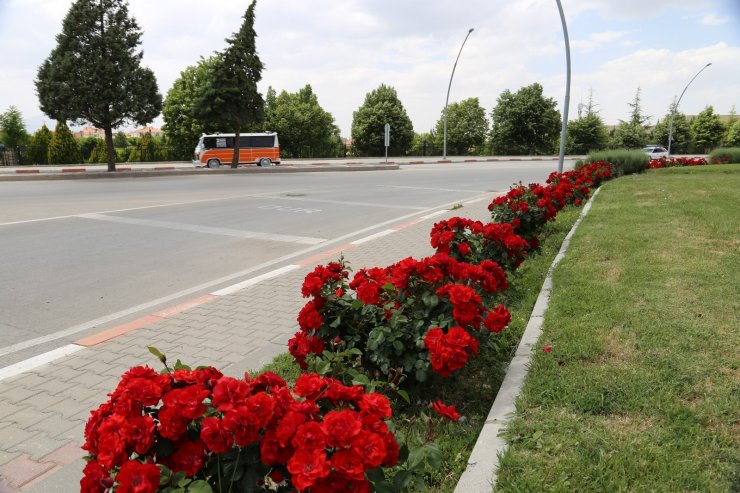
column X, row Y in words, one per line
column 678, row 161
column 386, row 328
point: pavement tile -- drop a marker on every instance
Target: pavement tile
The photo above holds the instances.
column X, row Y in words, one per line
column 39, row 445
column 9, row 409
column 22, row 470
column 54, row 425
column 28, row 417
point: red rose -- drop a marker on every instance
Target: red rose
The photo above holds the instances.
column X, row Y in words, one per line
column 376, row 404
column 547, row 349
column 497, row 319
column 189, row 456
column 114, row 437
column 260, row 408
column 391, row 450
column 271, row 452
column 288, row 426
column 464, row 249
column 135, row 477
column 448, row 412
column 229, row 393
column 370, row 447
column 172, row 424
column 348, row 463
column 142, row 434
column 215, row 436
column 94, row 479
column 341, row 427
column 239, row 422
column 306, row 467
column 309, row 436
column 309, row 385
column 309, row 318
column 187, row 400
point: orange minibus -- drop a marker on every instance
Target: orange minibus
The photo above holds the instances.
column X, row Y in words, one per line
column 262, row 149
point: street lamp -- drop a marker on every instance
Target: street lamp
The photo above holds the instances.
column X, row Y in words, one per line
column 444, row 140
column 675, row 107
column 563, row 132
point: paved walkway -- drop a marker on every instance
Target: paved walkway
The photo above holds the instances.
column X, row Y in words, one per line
column 43, row 410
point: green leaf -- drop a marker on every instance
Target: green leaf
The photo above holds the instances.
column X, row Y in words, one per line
column 156, row 352
column 199, row 486
column 402, row 480
column 404, row 395
column 376, row 475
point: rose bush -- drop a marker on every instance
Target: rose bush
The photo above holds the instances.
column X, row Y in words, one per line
column 472, row 242
column 200, row 431
column 387, row 314
column 679, row 161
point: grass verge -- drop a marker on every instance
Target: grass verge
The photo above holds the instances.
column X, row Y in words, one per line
column 641, row 389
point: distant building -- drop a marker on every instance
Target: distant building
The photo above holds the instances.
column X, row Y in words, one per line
column 140, row 132
column 89, row 132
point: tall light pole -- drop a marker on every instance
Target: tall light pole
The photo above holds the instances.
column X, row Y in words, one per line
column 444, row 140
column 564, row 130
column 675, row 106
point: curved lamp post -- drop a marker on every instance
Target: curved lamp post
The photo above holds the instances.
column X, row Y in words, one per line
column 444, row 141
column 564, row 131
column 675, row 107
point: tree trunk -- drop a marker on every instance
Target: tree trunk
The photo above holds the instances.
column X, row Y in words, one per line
column 237, row 139
column 109, row 147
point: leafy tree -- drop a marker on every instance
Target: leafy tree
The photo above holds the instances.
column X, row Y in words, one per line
column 39, row 147
column 381, row 106
column 301, row 123
column 707, row 129
column 95, row 75
column 732, row 135
column 680, row 135
column 587, row 133
column 525, row 122
column 86, row 145
column 63, row 147
column 182, row 127
column 424, row 143
column 230, row 97
column 12, row 128
column 467, row 126
column 270, row 101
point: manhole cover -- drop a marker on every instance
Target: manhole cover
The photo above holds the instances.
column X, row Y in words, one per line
column 295, row 194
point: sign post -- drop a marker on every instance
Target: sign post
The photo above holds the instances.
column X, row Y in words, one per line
column 387, row 140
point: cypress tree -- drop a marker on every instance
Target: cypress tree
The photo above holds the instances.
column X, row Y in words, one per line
column 39, row 148
column 63, row 146
column 95, row 75
column 230, row 97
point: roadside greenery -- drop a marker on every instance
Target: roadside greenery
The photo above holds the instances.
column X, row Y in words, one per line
column 467, row 127
column 94, row 74
column 525, row 122
column 627, row 161
column 639, row 390
column 381, row 106
column 725, row 155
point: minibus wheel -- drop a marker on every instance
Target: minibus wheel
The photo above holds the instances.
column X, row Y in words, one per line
column 265, row 161
column 214, row 163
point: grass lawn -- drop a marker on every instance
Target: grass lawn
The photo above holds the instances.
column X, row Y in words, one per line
column 641, row 391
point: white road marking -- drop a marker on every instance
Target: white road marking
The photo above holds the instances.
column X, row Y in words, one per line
column 345, row 202
column 256, row 235
column 433, row 214
column 432, row 189
column 255, row 280
column 372, row 237
column 40, row 360
column 204, row 286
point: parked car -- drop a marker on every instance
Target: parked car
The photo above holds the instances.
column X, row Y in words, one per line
column 655, row 151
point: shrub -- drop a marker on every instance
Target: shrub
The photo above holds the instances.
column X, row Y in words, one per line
column 626, row 161
column 410, row 318
column 725, row 155
column 63, row 147
column 197, row 430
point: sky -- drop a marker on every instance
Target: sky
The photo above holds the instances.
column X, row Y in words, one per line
column 346, row 48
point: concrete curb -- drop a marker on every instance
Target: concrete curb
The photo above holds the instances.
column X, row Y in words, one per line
column 481, row 472
column 76, row 174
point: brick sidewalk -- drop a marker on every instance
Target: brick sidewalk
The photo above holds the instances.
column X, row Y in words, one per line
column 43, row 411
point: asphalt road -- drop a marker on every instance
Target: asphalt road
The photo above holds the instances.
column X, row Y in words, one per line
column 79, row 256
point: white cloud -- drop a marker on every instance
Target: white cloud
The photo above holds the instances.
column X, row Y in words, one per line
column 345, row 49
column 714, row 20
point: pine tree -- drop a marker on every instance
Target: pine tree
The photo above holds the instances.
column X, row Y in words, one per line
column 13, row 128
column 63, row 146
column 230, row 97
column 39, row 148
column 95, row 75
